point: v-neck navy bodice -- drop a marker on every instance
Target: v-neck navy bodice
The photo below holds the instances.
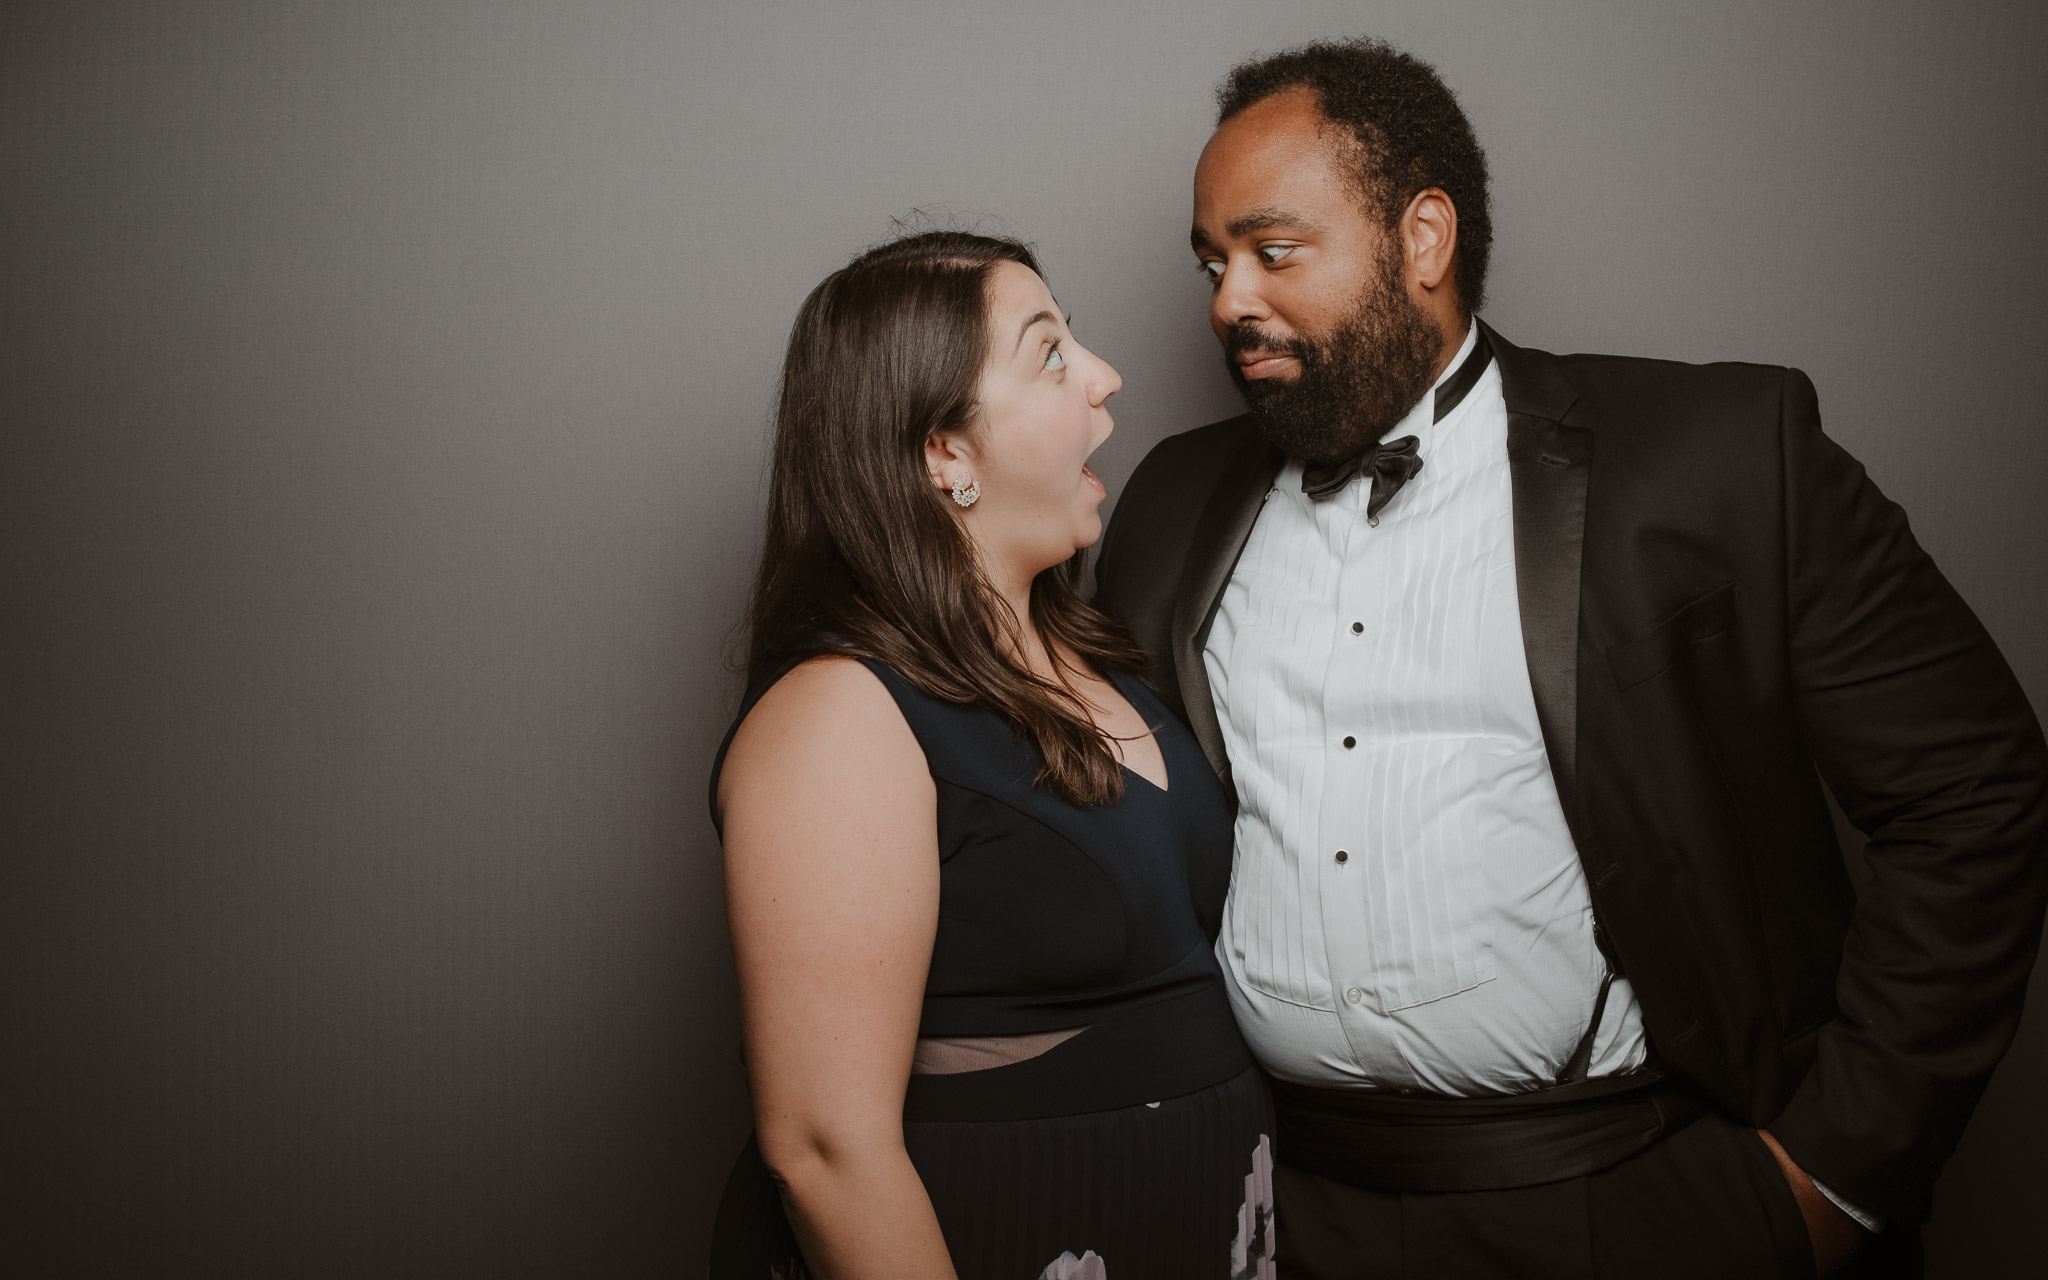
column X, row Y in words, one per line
column 1054, row 916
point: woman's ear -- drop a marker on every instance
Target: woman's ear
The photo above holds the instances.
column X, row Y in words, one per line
column 946, row 461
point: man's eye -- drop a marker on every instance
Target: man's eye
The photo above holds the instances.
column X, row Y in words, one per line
column 1212, row 269
column 1272, row 253
column 1054, row 360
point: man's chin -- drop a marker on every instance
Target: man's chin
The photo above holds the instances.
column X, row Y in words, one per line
column 1257, row 391
column 1307, row 437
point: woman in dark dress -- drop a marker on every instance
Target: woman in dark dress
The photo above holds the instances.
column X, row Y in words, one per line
column 974, row 868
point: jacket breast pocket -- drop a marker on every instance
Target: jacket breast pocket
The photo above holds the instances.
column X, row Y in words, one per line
column 1652, row 653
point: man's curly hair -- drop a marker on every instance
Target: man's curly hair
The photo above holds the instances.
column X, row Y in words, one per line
column 1410, row 133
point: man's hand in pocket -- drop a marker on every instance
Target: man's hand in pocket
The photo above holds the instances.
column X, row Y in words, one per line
column 1835, row 1235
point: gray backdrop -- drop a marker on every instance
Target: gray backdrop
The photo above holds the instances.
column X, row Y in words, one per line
column 384, row 391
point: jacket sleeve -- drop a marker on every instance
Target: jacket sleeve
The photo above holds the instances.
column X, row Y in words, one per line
column 1924, row 735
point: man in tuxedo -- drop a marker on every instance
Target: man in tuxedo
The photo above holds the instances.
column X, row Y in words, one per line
column 1526, row 672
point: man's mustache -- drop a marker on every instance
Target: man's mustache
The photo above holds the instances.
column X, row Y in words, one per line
column 1244, row 336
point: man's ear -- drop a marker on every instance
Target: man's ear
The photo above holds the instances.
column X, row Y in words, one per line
column 945, row 459
column 1429, row 238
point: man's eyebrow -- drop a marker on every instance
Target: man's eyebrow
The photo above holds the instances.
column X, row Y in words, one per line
column 1035, row 318
column 1264, row 219
column 1246, row 223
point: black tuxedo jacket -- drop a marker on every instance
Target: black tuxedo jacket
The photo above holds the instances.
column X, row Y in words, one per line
column 1720, row 610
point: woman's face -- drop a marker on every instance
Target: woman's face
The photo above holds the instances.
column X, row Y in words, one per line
column 1042, row 414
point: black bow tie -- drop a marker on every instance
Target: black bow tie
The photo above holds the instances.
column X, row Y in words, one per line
column 1390, row 463
column 1393, row 463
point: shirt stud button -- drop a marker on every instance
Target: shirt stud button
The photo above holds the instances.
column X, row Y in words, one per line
column 1349, row 742
column 1357, row 628
column 1343, row 855
column 1354, row 995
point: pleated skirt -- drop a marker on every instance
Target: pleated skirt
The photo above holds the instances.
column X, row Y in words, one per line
column 1181, row 1189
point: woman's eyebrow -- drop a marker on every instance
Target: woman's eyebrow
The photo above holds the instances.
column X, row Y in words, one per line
column 1035, row 318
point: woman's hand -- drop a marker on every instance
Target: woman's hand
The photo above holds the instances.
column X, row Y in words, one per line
column 832, row 887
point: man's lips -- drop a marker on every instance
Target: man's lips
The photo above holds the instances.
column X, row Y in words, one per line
column 1264, row 364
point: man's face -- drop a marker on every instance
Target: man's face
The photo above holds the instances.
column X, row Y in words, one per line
column 1311, row 303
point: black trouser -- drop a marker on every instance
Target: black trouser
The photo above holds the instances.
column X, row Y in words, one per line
column 1708, row 1201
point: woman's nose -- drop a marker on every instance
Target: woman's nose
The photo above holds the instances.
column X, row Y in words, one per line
column 1106, row 383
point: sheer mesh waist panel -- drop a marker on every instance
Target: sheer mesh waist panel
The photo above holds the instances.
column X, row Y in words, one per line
column 951, row 1055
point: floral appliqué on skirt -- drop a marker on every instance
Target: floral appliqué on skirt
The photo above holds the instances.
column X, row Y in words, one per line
column 1251, row 1254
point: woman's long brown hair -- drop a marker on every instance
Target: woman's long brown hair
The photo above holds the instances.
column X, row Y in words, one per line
column 862, row 554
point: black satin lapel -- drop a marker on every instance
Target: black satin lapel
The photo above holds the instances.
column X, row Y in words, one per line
column 1530, row 381
column 1220, row 535
column 1550, row 464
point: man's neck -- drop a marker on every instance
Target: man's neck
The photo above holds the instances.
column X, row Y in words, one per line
column 1454, row 343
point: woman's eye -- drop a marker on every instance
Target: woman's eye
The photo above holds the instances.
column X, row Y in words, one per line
column 1054, row 360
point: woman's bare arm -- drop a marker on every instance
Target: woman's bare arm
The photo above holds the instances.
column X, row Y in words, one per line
column 832, row 885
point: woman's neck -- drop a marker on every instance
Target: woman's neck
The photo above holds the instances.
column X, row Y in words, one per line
column 1014, row 589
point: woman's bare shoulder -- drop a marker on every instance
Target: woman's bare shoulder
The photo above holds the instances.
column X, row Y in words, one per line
column 826, row 695
column 829, row 721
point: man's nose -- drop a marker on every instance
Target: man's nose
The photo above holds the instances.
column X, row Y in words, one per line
column 1237, row 299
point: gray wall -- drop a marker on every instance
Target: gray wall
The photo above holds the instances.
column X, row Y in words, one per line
column 383, row 390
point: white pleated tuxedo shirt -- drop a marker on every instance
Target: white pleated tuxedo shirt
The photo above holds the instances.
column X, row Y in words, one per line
column 1407, row 909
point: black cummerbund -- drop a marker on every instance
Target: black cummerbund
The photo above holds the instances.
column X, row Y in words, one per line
column 1387, row 1141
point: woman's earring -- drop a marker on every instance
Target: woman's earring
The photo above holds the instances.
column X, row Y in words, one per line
column 966, row 492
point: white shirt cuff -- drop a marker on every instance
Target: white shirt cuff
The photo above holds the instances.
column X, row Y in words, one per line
column 1868, row 1221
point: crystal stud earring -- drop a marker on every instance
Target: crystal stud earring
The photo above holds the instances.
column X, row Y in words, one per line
column 966, row 492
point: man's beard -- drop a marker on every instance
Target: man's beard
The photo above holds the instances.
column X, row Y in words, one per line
column 1356, row 382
